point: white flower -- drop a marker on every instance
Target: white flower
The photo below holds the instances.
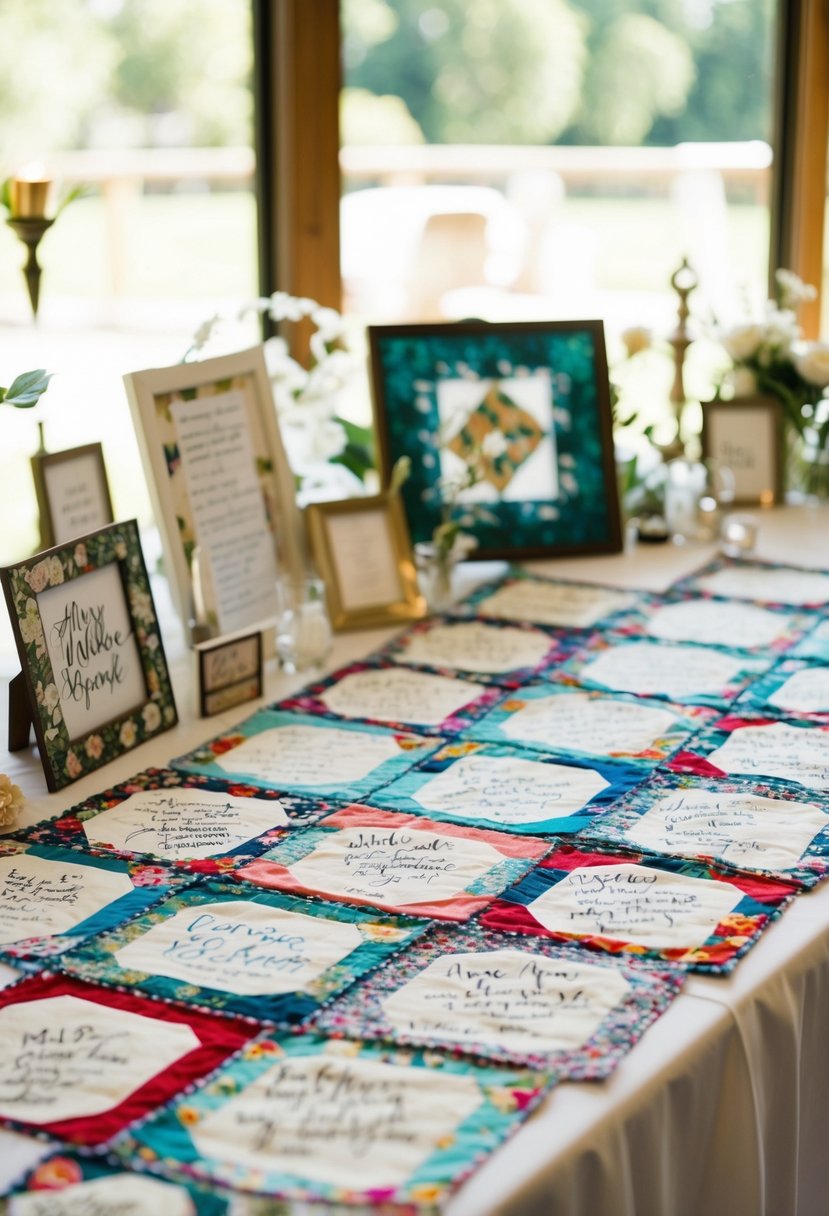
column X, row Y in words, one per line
column 793, row 291
column 11, row 801
column 782, row 328
column 743, row 382
column 152, row 716
column 636, row 338
column 494, row 445
column 328, row 440
column 744, row 341
column 813, row 363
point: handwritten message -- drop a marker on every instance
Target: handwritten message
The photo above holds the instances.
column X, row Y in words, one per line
column 670, row 671
column 806, row 691
column 228, row 507
column 116, row 1195
column 92, row 649
column 571, row 605
column 508, row 999
column 39, row 898
column 242, row 947
column 353, row 1123
column 742, row 829
column 77, row 496
column 394, row 866
column 763, row 583
column 176, row 824
column 636, row 904
column 392, row 695
column 578, row 722
column 474, row 646
column 363, row 553
column 66, row 1058
column 718, row 624
column 230, row 662
column 309, row 756
column 789, row 752
column 509, row 791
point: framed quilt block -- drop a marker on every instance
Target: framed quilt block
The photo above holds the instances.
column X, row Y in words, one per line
column 493, row 652
column 750, row 826
column 81, row 1064
column 389, row 695
column 491, row 786
column 53, row 898
column 713, row 622
column 402, row 863
column 792, row 689
column 190, row 823
column 563, row 720
column 66, row 1184
column 684, row 673
column 662, row 908
column 759, row 748
column 310, row 1120
column 765, row 582
column 272, row 958
column 521, row 596
column 308, row 755
column 489, row 995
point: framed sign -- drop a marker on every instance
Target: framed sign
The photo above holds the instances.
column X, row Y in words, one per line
column 94, row 679
column 522, row 407
column 746, row 435
column 72, row 493
column 228, row 672
column 219, row 480
column 362, row 550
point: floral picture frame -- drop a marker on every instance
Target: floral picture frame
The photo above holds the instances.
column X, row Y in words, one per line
column 94, row 680
column 441, row 391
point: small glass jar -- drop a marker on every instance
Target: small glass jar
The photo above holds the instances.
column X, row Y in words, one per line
column 303, row 627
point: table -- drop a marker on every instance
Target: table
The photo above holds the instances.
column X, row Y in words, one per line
column 719, row 1109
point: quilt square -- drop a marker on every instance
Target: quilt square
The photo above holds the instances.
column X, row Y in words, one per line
column 313, row 1120
column 81, row 1064
column 521, row 596
column 765, row 582
column 498, row 997
column 750, row 826
column 492, row 652
column 562, row 720
column 66, row 1184
column 792, row 689
column 385, row 693
column 308, row 755
column 190, row 823
column 402, row 863
column 662, row 908
column 51, row 899
column 683, row 672
column 814, row 645
column 491, row 786
column 272, row 958
column 714, row 622
column 757, row 747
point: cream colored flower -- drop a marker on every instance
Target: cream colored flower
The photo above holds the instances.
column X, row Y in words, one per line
column 11, row 801
column 81, row 556
column 743, row 382
column 128, row 733
column 31, row 627
column 73, row 765
column 94, row 747
column 152, row 716
column 636, row 339
column 55, row 571
column 38, row 577
column 744, row 341
column 813, row 363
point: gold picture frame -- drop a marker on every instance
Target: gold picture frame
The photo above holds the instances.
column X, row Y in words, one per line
column 72, row 491
column 362, row 549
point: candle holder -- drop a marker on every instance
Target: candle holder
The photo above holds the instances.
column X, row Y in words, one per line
column 30, row 231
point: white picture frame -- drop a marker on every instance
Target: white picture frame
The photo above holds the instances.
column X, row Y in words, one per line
column 219, row 411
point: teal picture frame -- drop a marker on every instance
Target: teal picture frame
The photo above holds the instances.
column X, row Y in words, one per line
column 549, row 481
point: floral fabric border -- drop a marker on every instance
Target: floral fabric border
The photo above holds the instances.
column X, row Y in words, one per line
column 612, row 780
column 384, row 855
column 760, row 901
column 500, row 1098
column 274, row 949
column 360, row 1013
column 215, row 758
column 772, row 583
column 568, row 606
column 792, row 689
column 757, row 747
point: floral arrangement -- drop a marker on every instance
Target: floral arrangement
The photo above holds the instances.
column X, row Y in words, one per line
column 11, row 801
column 770, row 356
column 329, row 453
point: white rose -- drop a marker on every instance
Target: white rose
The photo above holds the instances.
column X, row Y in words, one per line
column 813, row 363
column 743, row 341
column 328, row 440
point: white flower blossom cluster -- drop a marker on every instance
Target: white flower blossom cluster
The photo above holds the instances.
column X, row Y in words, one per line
column 766, row 352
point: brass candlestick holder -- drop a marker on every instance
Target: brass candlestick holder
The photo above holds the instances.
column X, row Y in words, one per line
column 683, row 281
column 30, row 231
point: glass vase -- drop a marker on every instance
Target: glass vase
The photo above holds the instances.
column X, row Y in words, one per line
column 807, row 472
column 436, row 574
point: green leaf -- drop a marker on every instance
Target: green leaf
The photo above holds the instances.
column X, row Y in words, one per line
column 70, row 196
column 27, row 389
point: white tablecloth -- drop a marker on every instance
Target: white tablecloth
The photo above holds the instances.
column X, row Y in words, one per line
column 720, row 1110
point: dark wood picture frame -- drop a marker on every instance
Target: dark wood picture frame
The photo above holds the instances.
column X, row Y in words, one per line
column 73, row 664
column 441, row 388
column 90, row 513
column 745, row 434
column 228, row 672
